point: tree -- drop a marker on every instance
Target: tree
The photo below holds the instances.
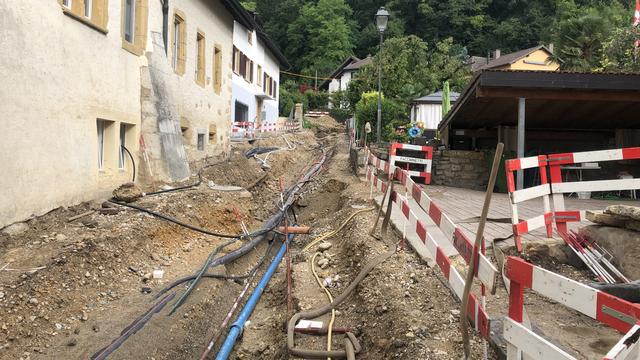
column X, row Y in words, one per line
column 580, row 33
column 394, row 114
column 619, row 51
column 321, row 37
column 411, row 68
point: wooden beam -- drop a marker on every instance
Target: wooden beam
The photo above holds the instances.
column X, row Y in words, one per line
column 566, row 94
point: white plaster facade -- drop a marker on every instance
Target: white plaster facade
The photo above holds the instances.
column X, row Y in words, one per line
column 341, row 82
column 260, row 105
column 61, row 76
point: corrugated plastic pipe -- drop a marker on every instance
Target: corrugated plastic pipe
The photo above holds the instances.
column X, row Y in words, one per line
column 236, row 328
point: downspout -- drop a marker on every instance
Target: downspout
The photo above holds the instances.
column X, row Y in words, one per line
column 165, row 25
column 236, row 328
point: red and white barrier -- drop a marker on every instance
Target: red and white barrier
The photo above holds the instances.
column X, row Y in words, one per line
column 517, row 196
column 484, row 270
column 425, row 161
column 607, row 309
column 242, row 129
column 268, row 127
column 628, row 347
column 475, row 311
column 291, row 125
column 558, row 187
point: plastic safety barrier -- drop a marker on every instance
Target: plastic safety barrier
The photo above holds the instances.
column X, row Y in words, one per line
column 242, row 129
column 517, row 196
column 607, row 309
column 558, row 187
column 424, row 161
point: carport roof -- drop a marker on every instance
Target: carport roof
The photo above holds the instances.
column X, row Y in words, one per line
column 554, row 100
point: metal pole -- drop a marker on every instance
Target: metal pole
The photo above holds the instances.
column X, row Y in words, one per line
column 521, row 108
column 379, row 122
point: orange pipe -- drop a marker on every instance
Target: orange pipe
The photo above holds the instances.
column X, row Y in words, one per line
column 294, row 229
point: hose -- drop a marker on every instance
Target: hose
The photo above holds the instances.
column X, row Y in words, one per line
column 333, row 311
column 336, row 231
column 352, row 346
column 133, row 162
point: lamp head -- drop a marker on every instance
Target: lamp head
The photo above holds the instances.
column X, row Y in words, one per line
column 382, row 17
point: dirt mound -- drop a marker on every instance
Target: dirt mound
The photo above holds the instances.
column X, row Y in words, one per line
column 326, row 124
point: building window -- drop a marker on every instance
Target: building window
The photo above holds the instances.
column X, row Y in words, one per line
column 200, row 48
column 105, row 142
column 250, row 37
column 179, row 43
column 125, row 140
column 87, row 8
column 242, row 112
column 129, row 13
column 250, row 71
column 90, row 12
column 134, row 25
column 217, row 69
column 259, row 77
column 200, row 142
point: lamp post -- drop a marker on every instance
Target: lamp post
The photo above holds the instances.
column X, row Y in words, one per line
column 382, row 17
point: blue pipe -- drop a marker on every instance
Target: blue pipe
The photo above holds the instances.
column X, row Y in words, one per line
column 236, row 328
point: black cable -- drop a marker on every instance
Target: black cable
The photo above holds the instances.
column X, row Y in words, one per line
column 176, row 221
column 133, row 162
column 219, row 276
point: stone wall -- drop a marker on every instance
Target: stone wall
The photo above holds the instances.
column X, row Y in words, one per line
column 466, row 169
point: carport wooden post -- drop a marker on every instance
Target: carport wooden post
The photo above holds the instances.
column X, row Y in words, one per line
column 520, row 174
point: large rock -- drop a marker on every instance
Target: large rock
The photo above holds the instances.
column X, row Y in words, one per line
column 128, row 192
column 15, row 229
column 599, row 217
column 632, row 212
column 623, row 244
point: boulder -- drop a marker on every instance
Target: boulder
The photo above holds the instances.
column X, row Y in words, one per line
column 632, row 212
column 15, row 229
column 128, row 192
column 623, row 244
column 599, row 217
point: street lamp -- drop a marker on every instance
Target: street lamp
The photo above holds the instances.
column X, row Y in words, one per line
column 382, row 17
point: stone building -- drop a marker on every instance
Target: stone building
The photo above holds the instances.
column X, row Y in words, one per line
column 83, row 77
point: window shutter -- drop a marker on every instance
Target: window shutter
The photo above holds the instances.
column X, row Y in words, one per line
column 251, row 73
column 233, row 59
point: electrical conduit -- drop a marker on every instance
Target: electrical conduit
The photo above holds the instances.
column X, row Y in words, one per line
column 236, row 328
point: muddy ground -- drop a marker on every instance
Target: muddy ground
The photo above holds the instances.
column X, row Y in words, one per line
column 68, row 288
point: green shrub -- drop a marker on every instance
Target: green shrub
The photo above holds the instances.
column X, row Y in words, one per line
column 393, row 114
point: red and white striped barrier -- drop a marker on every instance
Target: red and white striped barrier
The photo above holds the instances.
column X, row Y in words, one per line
column 291, row 125
column 475, row 311
column 242, row 129
column 268, row 127
column 517, row 196
column 607, row 309
column 484, row 270
column 628, row 347
column 424, row 161
column 558, row 187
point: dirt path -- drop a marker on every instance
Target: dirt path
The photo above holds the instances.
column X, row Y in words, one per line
column 96, row 269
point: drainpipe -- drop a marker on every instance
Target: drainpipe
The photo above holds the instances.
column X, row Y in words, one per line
column 165, row 25
column 236, row 328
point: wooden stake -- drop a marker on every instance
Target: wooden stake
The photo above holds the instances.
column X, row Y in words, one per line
column 464, row 324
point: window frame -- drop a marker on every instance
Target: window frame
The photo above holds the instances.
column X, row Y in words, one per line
column 259, row 76
column 217, row 69
column 201, row 49
column 179, row 42
column 98, row 12
column 139, row 24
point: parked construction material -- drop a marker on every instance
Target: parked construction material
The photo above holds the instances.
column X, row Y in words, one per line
column 594, row 257
column 607, row 309
column 477, row 246
column 404, row 161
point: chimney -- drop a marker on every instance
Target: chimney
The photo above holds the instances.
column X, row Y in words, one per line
column 496, row 54
column 550, row 47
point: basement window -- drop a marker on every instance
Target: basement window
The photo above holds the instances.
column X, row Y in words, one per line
column 105, row 141
column 200, row 142
column 126, row 137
